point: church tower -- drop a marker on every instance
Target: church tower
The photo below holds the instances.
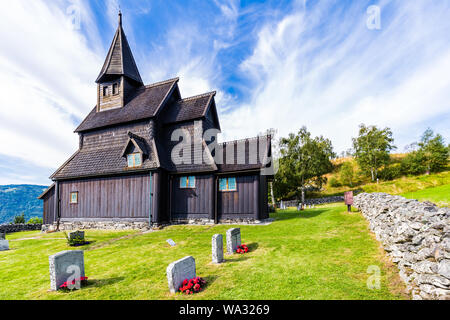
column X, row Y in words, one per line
column 119, row 77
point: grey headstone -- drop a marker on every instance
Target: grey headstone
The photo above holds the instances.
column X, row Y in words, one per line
column 2, row 236
column 4, row 245
column 171, row 242
column 59, row 266
column 178, row 271
column 217, row 248
column 233, row 239
column 76, row 235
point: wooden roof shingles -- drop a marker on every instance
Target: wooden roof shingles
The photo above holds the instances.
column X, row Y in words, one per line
column 120, row 60
column 248, row 160
column 145, row 104
column 103, row 161
column 190, row 108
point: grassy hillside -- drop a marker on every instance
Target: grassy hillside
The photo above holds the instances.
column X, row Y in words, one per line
column 15, row 199
column 286, row 261
column 439, row 195
column 402, row 186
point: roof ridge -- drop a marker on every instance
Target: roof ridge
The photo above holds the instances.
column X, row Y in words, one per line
column 207, row 94
column 162, row 82
column 245, row 139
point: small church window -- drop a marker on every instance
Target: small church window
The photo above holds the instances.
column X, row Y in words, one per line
column 227, row 184
column 73, row 197
column 134, row 160
column 105, row 91
column 187, row 182
column 115, row 88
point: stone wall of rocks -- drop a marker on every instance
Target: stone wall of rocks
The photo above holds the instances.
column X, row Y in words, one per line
column 102, row 225
column 9, row 228
column 323, row 200
column 417, row 237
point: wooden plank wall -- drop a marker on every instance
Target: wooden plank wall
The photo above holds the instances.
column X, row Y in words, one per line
column 193, row 203
column 49, row 207
column 111, row 197
column 241, row 203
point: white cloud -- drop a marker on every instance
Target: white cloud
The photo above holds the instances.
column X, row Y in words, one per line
column 46, row 83
column 329, row 72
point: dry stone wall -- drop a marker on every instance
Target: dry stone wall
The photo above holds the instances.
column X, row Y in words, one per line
column 417, row 237
column 10, row 228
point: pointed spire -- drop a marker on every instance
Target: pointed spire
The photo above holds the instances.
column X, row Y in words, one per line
column 120, row 60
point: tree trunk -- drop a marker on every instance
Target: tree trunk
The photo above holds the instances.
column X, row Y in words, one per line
column 373, row 176
column 271, row 194
column 303, row 196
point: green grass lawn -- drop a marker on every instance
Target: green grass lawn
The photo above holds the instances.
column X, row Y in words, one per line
column 321, row 253
column 400, row 186
column 439, row 195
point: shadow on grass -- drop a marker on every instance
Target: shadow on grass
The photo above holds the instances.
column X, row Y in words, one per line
column 252, row 246
column 234, row 258
column 103, row 282
column 209, row 280
column 303, row 214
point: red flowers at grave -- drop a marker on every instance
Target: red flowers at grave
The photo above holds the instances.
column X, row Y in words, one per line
column 242, row 249
column 65, row 285
column 192, row 286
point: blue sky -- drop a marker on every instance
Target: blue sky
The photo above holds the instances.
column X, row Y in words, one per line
column 274, row 64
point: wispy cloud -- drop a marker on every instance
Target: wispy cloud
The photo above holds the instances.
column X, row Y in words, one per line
column 320, row 66
column 46, row 82
column 279, row 64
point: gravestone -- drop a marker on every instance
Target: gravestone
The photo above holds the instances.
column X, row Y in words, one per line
column 217, row 248
column 65, row 264
column 76, row 235
column 233, row 239
column 2, row 236
column 4, row 245
column 178, row 271
column 171, row 242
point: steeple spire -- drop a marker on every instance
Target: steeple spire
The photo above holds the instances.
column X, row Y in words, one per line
column 120, row 60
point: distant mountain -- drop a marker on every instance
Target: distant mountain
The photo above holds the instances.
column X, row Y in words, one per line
column 15, row 199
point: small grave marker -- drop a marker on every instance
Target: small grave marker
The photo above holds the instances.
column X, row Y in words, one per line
column 217, row 248
column 233, row 239
column 65, row 265
column 4, row 245
column 178, row 271
column 171, row 242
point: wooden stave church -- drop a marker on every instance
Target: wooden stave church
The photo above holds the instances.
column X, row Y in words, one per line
column 96, row 184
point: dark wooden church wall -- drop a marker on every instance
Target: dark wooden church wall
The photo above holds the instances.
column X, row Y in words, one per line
column 49, row 207
column 242, row 203
column 109, row 197
column 193, row 203
column 264, row 200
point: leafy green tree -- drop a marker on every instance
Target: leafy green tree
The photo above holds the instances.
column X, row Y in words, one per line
column 35, row 220
column 303, row 162
column 20, row 218
column 347, row 174
column 372, row 148
column 430, row 154
column 434, row 151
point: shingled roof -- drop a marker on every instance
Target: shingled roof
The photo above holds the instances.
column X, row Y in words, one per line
column 190, row 108
column 120, row 60
column 144, row 104
column 255, row 156
column 103, row 161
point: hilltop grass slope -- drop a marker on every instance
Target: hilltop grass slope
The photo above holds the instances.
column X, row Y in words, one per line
column 321, row 253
